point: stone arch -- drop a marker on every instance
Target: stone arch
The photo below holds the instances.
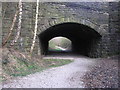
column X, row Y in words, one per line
column 82, row 37
column 96, row 27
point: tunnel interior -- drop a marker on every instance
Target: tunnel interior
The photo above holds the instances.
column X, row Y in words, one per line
column 81, row 36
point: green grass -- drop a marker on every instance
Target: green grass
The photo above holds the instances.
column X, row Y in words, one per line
column 30, row 69
column 0, row 78
column 58, row 62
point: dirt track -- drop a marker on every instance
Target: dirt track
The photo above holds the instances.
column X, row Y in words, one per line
column 67, row 76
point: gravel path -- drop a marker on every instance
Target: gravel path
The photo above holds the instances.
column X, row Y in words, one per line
column 103, row 75
column 82, row 73
column 67, row 76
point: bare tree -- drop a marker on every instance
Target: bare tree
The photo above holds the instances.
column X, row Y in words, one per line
column 35, row 29
column 19, row 23
column 10, row 31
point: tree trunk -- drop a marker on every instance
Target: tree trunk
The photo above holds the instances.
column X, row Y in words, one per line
column 11, row 29
column 35, row 29
column 19, row 24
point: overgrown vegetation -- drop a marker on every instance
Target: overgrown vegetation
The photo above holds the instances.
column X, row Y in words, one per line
column 16, row 64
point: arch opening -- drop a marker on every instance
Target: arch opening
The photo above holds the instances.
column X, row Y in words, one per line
column 60, row 44
column 81, row 36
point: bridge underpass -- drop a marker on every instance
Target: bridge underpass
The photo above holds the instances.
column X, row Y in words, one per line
column 81, row 36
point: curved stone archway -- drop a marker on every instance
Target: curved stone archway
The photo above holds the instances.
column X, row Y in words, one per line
column 80, row 20
column 82, row 37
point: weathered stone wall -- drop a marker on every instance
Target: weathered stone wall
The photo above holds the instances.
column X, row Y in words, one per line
column 102, row 20
column 8, row 12
column 114, row 28
column 110, row 42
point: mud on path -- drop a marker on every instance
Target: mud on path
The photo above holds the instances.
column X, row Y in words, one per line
column 67, row 76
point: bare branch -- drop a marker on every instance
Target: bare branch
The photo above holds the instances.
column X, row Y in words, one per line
column 19, row 23
column 11, row 29
column 35, row 30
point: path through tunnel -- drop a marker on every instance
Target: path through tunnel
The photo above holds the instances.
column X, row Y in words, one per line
column 80, row 35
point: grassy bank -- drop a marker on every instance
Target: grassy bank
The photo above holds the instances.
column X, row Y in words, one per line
column 16, row 64
column 29, row 69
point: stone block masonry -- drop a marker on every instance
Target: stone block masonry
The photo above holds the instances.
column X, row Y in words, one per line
column 102, row 17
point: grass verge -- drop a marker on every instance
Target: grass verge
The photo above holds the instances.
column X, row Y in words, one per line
column 15, row 63
column 48, row 63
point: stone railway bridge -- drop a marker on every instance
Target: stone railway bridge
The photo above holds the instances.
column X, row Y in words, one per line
column 92, row 27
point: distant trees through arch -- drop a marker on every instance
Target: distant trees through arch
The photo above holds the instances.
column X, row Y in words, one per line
column 60, row 44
